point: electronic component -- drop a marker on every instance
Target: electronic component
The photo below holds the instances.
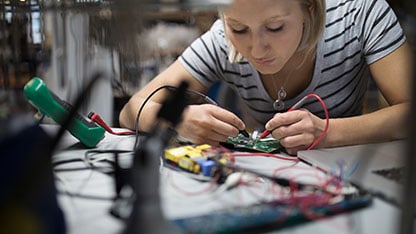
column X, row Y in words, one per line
column 235, row 178
column 174, row 154
column 254, row 142
column 207, row 167
column 188, row 164
column 38, row 94
column 267, row 215
column 244, row 133
column 196, row 159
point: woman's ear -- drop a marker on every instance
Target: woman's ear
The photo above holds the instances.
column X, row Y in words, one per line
column 311, row 7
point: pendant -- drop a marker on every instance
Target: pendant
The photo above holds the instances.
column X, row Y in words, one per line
column 279, row 104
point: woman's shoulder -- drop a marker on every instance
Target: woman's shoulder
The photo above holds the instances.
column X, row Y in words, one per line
column 359, row 17
column 336, row 8
column 217, row 31
column 213, row 39
column 367, row 25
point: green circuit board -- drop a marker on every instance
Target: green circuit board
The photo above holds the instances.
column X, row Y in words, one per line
column 255, row 143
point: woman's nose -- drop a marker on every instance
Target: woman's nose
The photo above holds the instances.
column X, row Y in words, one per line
column 259, row 45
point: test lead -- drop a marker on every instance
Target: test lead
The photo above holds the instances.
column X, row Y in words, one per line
column 97, row 119
column 294, row 107
column 298, row 105
column 244, row 133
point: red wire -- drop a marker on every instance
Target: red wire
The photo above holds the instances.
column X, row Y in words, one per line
column 210, row 187
column 317, row 140
column 97, row 119
column 297, row 105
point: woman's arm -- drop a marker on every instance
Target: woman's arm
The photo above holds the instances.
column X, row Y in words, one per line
column 393, row 75
column 298, row 129
column 173, row 75
column 205, row 123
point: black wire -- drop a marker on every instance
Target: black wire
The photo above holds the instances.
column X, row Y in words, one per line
column 106, row 151
column 189, row 91
column 62, row 162
column 136, row 127
column 91, row 166
column 121, row 175
column 112, row 163
column 78, row 169
column 119, row 178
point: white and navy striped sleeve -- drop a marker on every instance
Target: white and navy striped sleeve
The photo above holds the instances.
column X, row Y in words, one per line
column 205, row 57
column 381, row 31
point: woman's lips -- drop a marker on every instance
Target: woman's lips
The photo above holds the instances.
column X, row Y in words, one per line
column 264, row 61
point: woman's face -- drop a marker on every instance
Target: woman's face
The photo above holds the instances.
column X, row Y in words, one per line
column 266, row 32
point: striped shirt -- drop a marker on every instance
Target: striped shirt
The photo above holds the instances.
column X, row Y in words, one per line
column 357, row 33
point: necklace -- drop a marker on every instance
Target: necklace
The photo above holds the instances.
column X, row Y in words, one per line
column 279, row 104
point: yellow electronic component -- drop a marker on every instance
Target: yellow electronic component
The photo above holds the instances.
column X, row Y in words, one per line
column 223, row 161
column 203, row 147
column 177, row 153
column 197, row 159
column 189, row 165
column 186, row 157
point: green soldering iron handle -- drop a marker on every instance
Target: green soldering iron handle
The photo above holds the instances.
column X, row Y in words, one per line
column 38, row 94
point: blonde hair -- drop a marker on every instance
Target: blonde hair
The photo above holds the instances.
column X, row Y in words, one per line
column 315, row 11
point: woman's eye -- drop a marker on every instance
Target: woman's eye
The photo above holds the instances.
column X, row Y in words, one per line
column 239, row 31
column 276, row 29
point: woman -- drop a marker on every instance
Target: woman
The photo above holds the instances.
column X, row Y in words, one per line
column 273, row 53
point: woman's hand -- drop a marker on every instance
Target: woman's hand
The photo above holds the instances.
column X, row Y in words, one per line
column 296, row 130
column 209, row 124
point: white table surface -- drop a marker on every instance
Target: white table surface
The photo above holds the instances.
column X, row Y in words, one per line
column 183, row 196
